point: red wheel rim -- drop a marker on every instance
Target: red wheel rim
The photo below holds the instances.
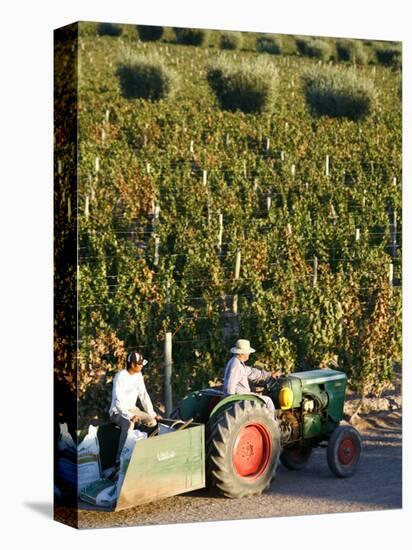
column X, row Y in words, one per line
column 252, row 450
column 347, row 451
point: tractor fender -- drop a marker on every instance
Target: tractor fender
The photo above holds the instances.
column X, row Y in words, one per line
column 230, row 399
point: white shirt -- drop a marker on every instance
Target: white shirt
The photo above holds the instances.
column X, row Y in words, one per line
column 126, row 389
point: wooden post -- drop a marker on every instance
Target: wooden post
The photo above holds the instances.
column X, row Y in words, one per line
column 255, row 185
column 156, row 254
column 327, row 165
column 394, row 182
column 333, row 215
column 86, row 207
column 267, row 145
column 59, row 167
column 391, row 273
column 220, row 236
column 204, row 177
column 357, row 234
column 268, row 202
column 168, row 293
column 107, row 115
column 293, row 170
column 245, row 168
column 156, row 213
column 103, row 135
column 191, row 146
column 96, row 165
column 168, row 373
column 315, row 272
column 148, row 167
column 286, row 126
column 282, row 155
column 237, row 275
column 289, row 229
column 393, row 232
column 364, row 198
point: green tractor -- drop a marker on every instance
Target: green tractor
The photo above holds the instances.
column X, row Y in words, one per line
column 245, row 441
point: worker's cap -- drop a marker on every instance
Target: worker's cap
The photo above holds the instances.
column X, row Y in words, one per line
column 136, row 357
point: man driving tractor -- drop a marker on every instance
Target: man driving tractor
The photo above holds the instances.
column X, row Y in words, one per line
column 238, row 374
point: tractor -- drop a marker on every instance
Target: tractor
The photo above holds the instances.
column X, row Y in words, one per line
column 245, row 441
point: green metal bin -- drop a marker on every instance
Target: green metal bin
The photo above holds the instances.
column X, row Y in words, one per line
column 159, row 467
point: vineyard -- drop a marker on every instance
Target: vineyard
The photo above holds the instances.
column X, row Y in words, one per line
column 281, row 226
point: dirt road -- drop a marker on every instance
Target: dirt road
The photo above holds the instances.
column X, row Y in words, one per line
column 377, row 485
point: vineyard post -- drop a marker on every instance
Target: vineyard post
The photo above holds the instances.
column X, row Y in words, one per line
column 96, row 165
column 191, row 146
column 333, row 215
column 237, row 275
column 315, row 272
column 148, row 167
column 393, row 232
column 107, row 115
column 282, row 155
column 156, row 253
column 86, row 207
column 268, row 202
column 391, row 273
column 245, row 168
column 357, row 234
column 327, row 165
column 293, row 170
column 267, row 145
column 220, row 236
column 103, row 135
column 255, row 185
column 168, row 373
column 168, row 293
column 59, row 167
column 204, row 177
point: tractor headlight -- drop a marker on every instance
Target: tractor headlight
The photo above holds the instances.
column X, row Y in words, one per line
column 285, row 398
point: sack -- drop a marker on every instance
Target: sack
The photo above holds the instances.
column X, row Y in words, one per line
column 78, row 464
column 132, row 437
column 163, row 429
column 88, row 459
column 67, row 460
column 100, row 493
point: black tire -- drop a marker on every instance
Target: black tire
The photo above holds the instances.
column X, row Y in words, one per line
column 242, row 450
column 344, row 450
column 295, row 457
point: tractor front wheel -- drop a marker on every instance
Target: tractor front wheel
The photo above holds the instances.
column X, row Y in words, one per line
column 243, row 450
column 295, row 457
column 344, row 450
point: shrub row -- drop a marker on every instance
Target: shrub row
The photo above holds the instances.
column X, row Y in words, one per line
column 252, row 87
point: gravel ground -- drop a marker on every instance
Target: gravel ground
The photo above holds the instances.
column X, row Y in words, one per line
column 377, row 485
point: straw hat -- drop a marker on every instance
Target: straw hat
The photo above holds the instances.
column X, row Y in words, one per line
column 242, row 346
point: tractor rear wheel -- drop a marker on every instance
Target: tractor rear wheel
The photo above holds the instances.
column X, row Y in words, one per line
column 243, row 450
column 344, row 450
column 295, row 457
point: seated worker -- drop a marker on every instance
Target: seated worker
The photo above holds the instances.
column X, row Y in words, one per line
column 238, row 374
column 128, row 386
